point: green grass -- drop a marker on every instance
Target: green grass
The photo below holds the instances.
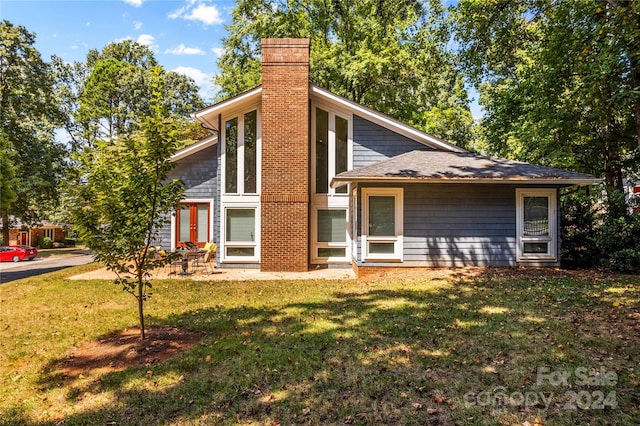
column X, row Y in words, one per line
column 458, row 350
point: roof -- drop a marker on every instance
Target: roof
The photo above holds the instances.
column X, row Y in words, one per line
column 207, row 117
column 456, row 167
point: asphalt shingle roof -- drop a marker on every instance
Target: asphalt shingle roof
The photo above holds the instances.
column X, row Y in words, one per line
column 441, row 166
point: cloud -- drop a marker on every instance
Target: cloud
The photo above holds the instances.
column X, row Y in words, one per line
column 135, row 3
column 137, row 25
column 197, row 75
column 219, row 51
column 181, row 49
column 146, row 39
column 192, row 11
column 202, row 80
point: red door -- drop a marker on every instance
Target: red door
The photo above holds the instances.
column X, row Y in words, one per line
column 22, row 238
column 193, row 223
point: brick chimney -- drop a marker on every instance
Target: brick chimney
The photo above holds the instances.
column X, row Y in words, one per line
column 285, row 155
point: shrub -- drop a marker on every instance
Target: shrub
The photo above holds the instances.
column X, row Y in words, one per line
column 45, row 243
column 594, row 234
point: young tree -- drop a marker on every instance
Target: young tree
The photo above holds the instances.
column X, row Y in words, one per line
column 390, row 55
column 121, row 197
column 29, row 114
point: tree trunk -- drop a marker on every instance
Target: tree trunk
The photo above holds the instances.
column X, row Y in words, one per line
column 140, row 298
column 5, row 226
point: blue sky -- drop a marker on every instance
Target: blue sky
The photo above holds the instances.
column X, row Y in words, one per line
column 185, row 35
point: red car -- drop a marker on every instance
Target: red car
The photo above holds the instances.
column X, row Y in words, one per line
column 17, row 253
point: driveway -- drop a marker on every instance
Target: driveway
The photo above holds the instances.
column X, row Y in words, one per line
column 10, row 271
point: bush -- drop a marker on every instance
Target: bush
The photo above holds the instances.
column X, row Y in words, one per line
column 45, row 243
column 597, row 235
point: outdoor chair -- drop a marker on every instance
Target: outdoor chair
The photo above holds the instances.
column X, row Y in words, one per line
column 208, row 260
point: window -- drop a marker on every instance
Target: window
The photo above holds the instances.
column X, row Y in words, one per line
column 536, row 224
column 240, row 234
column 330, row 239
column 48, row 233
column 331, row 150
column 382, row 224
column 241, row 154
column 193, row 223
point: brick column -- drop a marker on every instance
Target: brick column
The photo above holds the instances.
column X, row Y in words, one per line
column 285, row 155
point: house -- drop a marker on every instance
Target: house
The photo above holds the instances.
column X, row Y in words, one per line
column 21, row 234
column 296, row 177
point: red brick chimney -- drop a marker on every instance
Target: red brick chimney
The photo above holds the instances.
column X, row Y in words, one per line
column 285, row 155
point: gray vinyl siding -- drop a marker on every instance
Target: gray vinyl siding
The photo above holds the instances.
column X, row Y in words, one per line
column 373, row 143
column 457, row 225
column 199, row 174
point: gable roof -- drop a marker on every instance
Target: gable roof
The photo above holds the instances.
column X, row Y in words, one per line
column 207, row 118
column 457, row 167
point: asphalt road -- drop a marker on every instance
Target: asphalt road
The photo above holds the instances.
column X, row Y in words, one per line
column 10, row 271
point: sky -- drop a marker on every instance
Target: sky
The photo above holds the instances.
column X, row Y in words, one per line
column 184, row 35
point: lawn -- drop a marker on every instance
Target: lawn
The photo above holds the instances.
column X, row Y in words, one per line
column 553, row 348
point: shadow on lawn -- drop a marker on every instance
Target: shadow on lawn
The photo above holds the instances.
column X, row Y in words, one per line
column 371, row 356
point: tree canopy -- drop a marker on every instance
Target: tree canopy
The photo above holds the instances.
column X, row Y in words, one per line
column 390, row 55
column 107, row 94
column 559, row 81
column 32, row 161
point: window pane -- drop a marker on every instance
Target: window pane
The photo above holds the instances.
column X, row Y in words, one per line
column 382, row 216
column 322, row 151
column 381, row 248
column 185, row 222
column 250, row 138
column 331, row 252
column 231, row 156
column 535, row 248
column 536, row 216
column 332, row 226
column 342, row 137
column 203, row 223
column 241, row 225
column 240, row 251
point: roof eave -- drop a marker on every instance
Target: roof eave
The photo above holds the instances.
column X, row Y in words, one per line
column 340, row 181
column 203, row 114
column 195, row 147
column 386, row 121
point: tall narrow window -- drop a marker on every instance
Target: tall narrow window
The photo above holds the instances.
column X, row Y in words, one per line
column 342, row 150
column 536, row 210
column 231, row 156
column 382, row 224
column 250, row 138
column 322, row 151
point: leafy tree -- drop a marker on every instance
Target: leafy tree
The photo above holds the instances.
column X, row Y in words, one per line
column 121, row 197
column 107, row 94
column 558, row 80
column 29, row 114
column 390, row 55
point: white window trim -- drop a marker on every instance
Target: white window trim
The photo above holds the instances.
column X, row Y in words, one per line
column 192, row 201
column 223, row 236
column 315, row 244
column 239, row 114
column 331, row 172
column 552, row 239
column 398, row 239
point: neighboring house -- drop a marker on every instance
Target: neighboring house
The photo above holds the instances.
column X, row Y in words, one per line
column 23, row 234
column 295, row 177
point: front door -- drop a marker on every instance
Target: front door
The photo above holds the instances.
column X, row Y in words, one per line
column 193, row 223
column 23, row 238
